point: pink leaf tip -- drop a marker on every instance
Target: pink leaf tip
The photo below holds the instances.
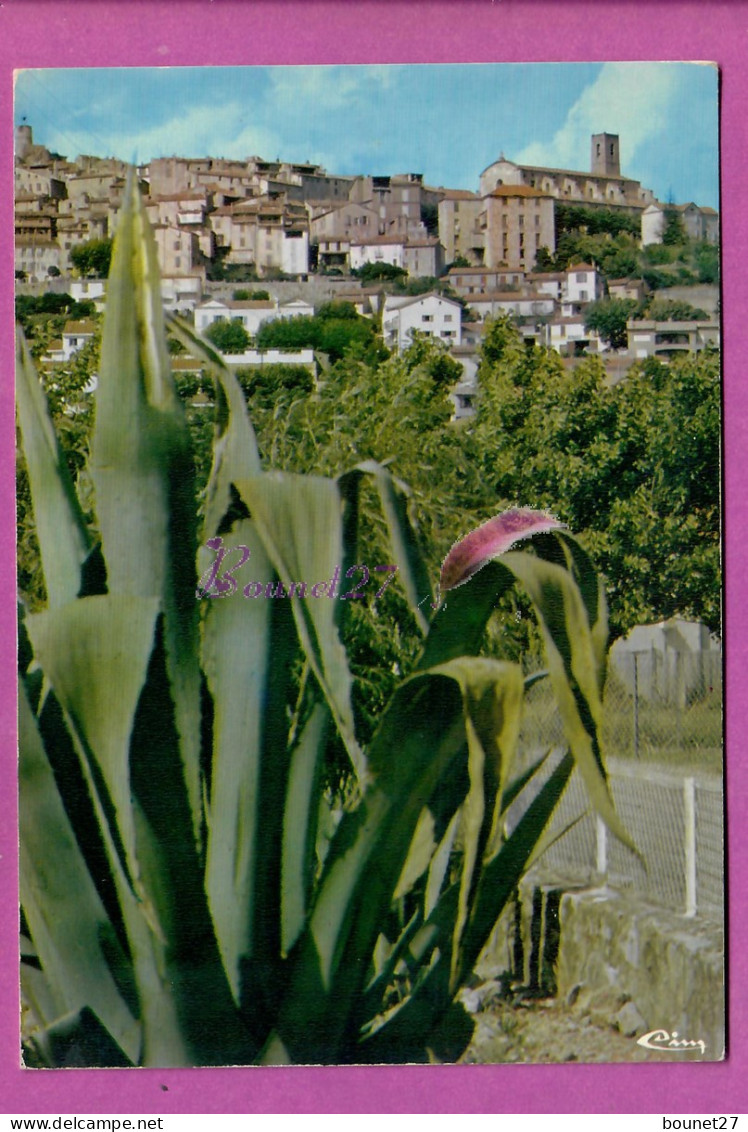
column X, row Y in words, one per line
column 489, row 540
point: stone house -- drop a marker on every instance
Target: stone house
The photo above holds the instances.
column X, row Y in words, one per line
column 518, row 221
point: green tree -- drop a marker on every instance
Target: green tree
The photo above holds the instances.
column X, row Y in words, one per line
column 544, row 260
column 673, row 232
column 228, row 337
column 92, row 258
column 633, row 468
column 329, row 333
column 671, row 310
column 371, row 272
column 608, row 317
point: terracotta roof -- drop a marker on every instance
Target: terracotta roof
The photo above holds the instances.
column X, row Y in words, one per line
column 580, row 267
column 485, row 271
column 578, row 174
column 378, row 240
column 507, row 296
column 85, row 326
column 519, row 191
column 459, row 194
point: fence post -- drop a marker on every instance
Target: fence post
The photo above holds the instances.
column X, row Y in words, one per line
column 601, row 848
column 636, row 704
column 689, row 821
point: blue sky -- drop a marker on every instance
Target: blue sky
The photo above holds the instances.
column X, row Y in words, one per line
column 446, row 121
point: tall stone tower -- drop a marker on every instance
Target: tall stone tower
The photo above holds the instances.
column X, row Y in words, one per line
column 23, row 141
column 606, row 158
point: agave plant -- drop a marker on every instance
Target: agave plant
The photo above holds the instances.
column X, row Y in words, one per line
column 191, row 892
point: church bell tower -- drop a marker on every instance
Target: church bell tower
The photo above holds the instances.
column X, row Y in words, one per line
column 606, row 158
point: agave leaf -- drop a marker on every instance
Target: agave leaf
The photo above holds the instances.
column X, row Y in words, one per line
column 419, row 737
column 299, row 521
column 300, row 825
column 393, row 494
column 458, row 626
column 142, row 470
column 60, row 527
column 162, row 1042
column 235, row 452
column 574, row 672
column 98, row 654
column 406, row 1032
column 60, row 902
column 95, row 653
column 492, row 693
column 488, row 541
column 439, row 866
column 78, row 1041
column 564, row 549
column 501, row 875
column 237, row 661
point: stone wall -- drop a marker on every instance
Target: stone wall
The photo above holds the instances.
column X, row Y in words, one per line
column 615, row 961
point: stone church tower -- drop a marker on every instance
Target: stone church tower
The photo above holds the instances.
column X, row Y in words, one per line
column 606, row 158
column 23, row 141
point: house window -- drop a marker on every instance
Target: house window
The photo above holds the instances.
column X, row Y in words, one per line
column 448, row 318
column 581, row 277
column 427, row 318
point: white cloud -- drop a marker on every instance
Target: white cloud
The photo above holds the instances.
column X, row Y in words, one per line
column 326, row 88
column 632, row 100
column 219, row 131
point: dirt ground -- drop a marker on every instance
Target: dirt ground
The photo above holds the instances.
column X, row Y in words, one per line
column 543, row 1031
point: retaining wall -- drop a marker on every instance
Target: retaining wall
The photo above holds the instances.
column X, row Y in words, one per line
column 616, row 960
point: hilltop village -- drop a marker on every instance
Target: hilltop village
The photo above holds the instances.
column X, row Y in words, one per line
column 254, row 241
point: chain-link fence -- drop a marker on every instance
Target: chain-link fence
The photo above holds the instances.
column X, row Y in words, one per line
column 664, row 762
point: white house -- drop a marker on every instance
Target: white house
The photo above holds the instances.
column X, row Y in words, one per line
column 647, row 338
column 295, row 251
column 181, row 292
column 569, row 336
column 250, row 313
column 432, row 315
column 583, row 284
column 82, row 290
column 74, row 337
column 377, row 249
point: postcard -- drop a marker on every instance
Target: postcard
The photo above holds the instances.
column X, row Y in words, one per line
column 262, row 826
column 369, row 496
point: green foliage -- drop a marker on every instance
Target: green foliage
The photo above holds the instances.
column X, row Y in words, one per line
column 572, row 217
column 50, row 303
column 373, row 272
column 706, row 258
column 228, row 337
column 672, row 310
column 243, row 295
column 337, row 310
column 188, row 895
column 674, row 232
column 327, row 332
column 634, row 468
column 609, row 317
column 92, row 258
column 544, row 261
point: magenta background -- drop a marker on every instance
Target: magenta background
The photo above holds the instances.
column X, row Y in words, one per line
column 81, row 33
